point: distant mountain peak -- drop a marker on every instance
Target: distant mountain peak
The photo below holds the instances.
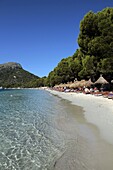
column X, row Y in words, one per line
column 13, row 75
column 12, row 65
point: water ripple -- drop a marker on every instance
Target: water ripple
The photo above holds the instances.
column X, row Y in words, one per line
column 28, row 138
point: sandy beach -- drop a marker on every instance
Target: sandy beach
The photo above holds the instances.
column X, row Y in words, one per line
column 92, row 146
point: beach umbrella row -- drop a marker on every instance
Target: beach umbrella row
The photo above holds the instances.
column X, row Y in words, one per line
column 76, row 84
column 83, row 83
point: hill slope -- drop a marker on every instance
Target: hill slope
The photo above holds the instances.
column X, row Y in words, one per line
column 13, row 75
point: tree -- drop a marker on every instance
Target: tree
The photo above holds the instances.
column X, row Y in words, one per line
column 88, row 30
column 107, row 66
column 88, row 68
column 96, row 34
column 75, row 67
column 95, row 55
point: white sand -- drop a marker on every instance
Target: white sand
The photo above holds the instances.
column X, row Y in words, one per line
column 98, row 111
column 89, row 134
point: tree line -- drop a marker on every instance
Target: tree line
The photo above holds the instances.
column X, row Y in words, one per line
column 94, row 56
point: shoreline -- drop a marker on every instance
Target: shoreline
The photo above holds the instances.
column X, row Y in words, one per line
column 97, row 110
column 88, row 132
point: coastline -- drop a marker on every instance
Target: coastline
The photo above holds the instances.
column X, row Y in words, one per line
column 97, row 110
column 90, row 144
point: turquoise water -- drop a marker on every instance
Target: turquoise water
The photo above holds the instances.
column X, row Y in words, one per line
column 29, row 139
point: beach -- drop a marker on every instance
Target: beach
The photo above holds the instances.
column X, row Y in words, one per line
column 92, row 146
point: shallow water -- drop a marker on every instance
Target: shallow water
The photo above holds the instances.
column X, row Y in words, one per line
column 28, row 137
column 39, row 131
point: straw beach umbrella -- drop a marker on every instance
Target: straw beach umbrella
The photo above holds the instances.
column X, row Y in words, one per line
column 68, row 85
column 62, row 85
column 56, row 86
column 73, row 85
column 77, row 84
column 89, row 83
column 101, row 80
column 82, row 83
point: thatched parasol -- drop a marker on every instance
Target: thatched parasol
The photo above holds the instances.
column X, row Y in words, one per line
column 56, row 86
column 85, row 83
column 89, row 83
column 82, row 83
column 67, row 85
column 62, row 85
column 101, row 80
column 74, row 85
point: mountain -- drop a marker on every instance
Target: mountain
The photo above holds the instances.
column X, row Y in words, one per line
column 13, row 75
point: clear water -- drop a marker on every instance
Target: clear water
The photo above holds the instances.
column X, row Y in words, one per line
column 39, row 131
column 29, row 139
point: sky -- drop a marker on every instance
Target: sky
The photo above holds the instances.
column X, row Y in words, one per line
column 39, row 33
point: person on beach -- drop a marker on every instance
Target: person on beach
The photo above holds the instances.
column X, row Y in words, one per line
column 87, row 91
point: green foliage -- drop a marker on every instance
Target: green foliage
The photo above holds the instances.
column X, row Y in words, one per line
column 75, row 67
column 95, row 55
column 16, row 77
column 88, row 68
column 96, row 34
column 67, row 70
column 41, row 82
column 96, row 39
column 107, row 65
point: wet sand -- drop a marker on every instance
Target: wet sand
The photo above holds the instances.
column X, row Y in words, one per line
column 87, row 131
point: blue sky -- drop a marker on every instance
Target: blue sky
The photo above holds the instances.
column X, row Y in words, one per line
column 39, row 33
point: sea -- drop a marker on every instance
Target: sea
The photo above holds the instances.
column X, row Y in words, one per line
column 31, row 133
